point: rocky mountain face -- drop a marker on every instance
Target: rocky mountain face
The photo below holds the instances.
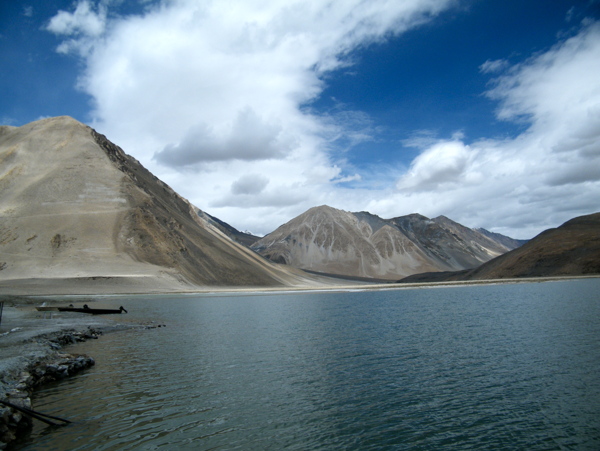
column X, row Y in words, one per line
column 327, row 240
column 75, row 207
column 573, row 249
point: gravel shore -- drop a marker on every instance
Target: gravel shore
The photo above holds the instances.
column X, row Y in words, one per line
column 32, row 351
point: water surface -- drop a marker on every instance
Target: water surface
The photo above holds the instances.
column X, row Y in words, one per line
column 480, row 367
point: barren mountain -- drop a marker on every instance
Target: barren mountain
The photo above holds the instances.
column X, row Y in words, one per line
column 328, row 240
column 75, row 209
column 573, row 249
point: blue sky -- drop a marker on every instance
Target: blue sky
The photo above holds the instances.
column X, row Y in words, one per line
column 486, row 112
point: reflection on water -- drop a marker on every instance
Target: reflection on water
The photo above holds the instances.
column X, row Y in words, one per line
column 505, row 366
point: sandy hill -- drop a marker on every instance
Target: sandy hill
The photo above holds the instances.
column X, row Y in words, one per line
column 327, row 240
column 573, row 249
column 78, row 214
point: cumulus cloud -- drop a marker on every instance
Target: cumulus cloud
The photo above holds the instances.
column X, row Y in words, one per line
column 548, row 171
column 577, row 172
column 84, row 24
column 83, row 21
column 441, row 166
column 204, row 92
column 249, row 184
column 247, row 138
column 214, row 98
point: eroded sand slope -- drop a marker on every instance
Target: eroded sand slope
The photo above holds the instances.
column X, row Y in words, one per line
column 75, row 208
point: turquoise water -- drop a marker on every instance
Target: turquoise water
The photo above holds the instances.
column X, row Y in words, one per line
column 481, row 367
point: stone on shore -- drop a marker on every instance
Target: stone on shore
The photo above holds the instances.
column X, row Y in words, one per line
column 31, row 355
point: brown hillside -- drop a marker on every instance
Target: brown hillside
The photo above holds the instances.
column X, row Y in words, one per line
column 75, row 208
column 571, row 249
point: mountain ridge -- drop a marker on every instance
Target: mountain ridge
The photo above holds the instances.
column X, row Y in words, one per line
column 572, row 249
column 75, row 207
column 328, row 240
column 77, row 211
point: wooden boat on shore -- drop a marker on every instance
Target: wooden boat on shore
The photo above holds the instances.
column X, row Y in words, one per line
column 92, row 311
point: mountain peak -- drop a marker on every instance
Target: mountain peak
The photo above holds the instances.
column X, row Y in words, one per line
column 76, row 207
column 328, row 240
column 324, row 209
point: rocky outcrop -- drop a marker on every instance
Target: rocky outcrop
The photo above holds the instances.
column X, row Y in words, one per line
column 332, row 241
column 18, row 385
column 449, row 244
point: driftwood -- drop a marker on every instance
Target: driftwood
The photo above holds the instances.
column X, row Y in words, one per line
column 33, row 414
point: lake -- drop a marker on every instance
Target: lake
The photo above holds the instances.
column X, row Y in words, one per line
column 508, row 366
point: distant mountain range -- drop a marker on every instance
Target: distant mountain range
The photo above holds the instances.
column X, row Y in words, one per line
column 573, row 249
column 331, row 241
column 78, row 215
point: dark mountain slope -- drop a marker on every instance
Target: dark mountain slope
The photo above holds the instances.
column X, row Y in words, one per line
column 573, row 249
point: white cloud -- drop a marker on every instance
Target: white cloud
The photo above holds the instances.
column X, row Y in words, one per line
column 557, row 85
column 441, row 166
column 203, row 93
column 249, row 184
column 213, row 98
column 348, row 178
column 544, row 176
column 83, row 21
column 247, row 138
column 491, row 66
column 84, row 25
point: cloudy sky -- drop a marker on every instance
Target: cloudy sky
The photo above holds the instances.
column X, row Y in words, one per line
column 487, row 112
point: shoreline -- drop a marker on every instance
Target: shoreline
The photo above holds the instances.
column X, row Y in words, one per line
column 33, row 290
column 32, row 353
column 381, row 286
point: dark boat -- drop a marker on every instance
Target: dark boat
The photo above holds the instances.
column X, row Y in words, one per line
column 92, row 311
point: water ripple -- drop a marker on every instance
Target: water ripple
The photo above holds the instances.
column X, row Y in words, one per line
column 498, row 367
